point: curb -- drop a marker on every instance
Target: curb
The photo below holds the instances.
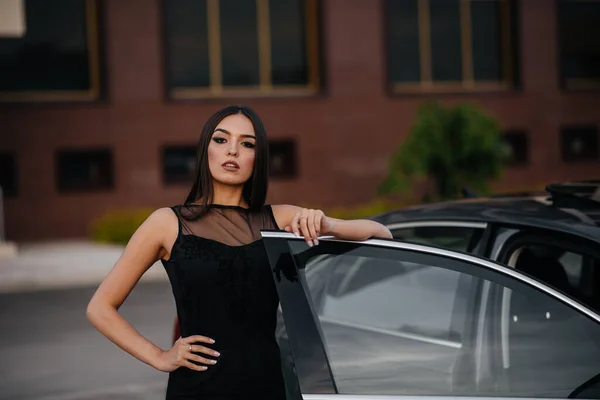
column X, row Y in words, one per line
column 64, row 265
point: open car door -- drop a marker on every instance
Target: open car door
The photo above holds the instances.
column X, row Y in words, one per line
column 388, row 319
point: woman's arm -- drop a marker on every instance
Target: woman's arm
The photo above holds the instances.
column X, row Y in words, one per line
column 146, row 246
column 358, row 229
column 314, row 223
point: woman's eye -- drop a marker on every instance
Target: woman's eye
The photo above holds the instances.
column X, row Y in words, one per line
column 219, row 140
column 249, row 145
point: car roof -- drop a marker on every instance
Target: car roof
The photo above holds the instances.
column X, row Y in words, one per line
column 530, row 211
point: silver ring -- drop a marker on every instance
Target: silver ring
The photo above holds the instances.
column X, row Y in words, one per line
column 190, row 348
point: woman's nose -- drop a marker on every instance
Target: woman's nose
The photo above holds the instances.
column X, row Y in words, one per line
column 232, row 151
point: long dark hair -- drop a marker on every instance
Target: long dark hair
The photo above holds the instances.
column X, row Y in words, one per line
column 255, row 189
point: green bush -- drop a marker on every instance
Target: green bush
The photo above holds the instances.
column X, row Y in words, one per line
column 118, row 226
column 451, row 148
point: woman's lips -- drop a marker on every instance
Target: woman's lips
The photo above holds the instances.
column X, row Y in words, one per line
column 230, row 166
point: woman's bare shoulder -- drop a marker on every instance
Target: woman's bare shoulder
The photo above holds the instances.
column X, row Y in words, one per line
column 163, row 220
column 158, row 231
column 163, row 214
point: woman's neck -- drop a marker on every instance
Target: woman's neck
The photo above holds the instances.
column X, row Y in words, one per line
column 228, row 196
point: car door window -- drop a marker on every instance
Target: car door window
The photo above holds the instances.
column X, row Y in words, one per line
column 572, row 272
column 399, row 322
column 460, row 238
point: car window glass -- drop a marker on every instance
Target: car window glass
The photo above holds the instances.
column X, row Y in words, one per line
column 571, row 272
column 361, row 287
column 450, row 237
column 573, row 265
column 396, row 325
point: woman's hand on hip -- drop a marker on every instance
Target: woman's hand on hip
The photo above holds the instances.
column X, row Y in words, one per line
column 184, row 352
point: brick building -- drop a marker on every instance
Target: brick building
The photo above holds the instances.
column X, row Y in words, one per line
column 101, row 102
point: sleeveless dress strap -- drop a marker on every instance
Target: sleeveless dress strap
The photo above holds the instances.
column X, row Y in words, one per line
column 178, row 215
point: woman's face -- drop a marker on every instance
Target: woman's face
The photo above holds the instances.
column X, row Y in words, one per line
column 231, row 150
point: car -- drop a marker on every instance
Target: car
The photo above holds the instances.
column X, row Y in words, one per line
column 393, row 318
column 557, row 229
column 482, row 297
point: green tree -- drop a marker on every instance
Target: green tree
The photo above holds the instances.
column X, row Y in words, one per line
column 454, row 147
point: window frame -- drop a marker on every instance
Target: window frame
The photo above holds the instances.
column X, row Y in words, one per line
column 104, row 150
column 519, row 134
column 571, row 84
column 164, row 151
column 287, row 143
column 312, row 366
column 426, row 84
column 567, row 131
column 265, row 88
column 94, row 93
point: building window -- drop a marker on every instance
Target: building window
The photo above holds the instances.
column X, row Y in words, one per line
column 579, row 24
column 517, row 143
column 579, row 143
column 85, row 170
column 447, row 45
column 57, row 59
column 282, row 158
column 241, row 48
column 178, row 164
column 8, row 174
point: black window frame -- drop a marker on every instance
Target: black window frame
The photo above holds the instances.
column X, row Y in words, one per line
column 264, row 88
column 96, row 69
column 101, row 152
column 566, row 83
column 567, row 131
column 521, row 156
column 509, row 61
column 290, row 148
column 165, row 149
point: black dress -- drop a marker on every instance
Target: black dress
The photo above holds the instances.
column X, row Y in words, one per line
column 224, row 290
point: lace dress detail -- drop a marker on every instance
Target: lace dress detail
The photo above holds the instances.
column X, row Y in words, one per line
column 223, row 289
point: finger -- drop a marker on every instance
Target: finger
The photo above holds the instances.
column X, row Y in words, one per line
column 207, row 361
column 304, row 229
column 288, row 228
column 295, row 223
column 193, row 366
column 311, row 226
column 318, row 221
column 197, row 338
column 205, row 350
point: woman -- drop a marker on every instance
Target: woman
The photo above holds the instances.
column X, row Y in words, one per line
column 211, row 249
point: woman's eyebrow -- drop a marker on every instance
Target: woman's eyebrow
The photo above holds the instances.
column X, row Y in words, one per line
column 229, row 133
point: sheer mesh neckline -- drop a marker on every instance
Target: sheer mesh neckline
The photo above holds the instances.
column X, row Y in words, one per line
column 218, row 206
column 228, row 224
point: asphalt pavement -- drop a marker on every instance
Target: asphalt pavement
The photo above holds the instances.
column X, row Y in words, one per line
column 49, row 351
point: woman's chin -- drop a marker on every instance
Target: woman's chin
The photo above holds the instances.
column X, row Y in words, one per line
column 231, row 180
